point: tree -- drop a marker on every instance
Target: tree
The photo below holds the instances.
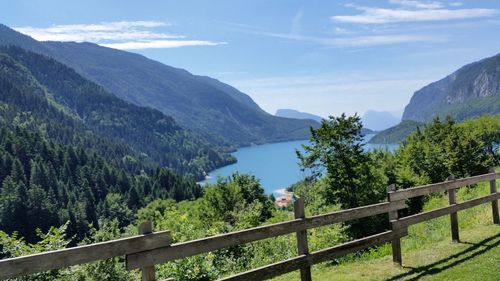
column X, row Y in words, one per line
column 13, row 197
column 230, row 197
column 440, row 149
column 352, row 179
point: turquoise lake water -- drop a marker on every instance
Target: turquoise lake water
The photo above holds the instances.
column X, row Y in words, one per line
column 275, row 164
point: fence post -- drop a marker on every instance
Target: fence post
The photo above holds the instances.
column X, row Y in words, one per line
column 452, row 199
column 396, row 243
column 494, row 204
column 148, row 272
column 303, row 248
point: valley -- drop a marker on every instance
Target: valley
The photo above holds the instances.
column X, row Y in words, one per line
column 196, row 141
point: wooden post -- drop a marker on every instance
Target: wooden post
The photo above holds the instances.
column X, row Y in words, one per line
column 148, row 272
column 396, row 243
column 303, row 247
column 494, row 204
column 452, row 199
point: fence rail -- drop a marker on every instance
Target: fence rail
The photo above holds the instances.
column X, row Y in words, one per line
column 149, row 248
column 14, row 267
column 208, row 244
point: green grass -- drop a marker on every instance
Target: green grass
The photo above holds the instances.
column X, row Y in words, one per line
column 428, row 253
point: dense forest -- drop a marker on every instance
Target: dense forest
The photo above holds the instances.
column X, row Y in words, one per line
column 70, row 152
column 216, row 111
column 46, row 184
column 41, row 86
column 344, row 176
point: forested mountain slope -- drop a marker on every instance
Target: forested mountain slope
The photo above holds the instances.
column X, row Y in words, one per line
column 153, row 136
column 199, row 103
column 56, row 163
column 292, row 113
column 471, row 91
column 397, row 133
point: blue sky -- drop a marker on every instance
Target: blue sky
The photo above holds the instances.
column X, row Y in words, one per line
column 322, row 57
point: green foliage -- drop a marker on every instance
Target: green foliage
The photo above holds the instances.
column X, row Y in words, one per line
column 115, row 206
column 352, row 178
column 233, row 203
column 485, row 129
column 51, row 88
column 440, row 149
column 14, row 246
column 110, row 269
column 45, row 184
column 443, row 148
column 237, row 200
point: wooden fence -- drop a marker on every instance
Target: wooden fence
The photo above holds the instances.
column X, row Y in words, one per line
column 150, row 248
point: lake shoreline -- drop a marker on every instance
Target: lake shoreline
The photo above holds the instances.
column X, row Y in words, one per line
column 274, row 164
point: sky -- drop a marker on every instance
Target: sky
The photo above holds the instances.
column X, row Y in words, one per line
column 317, row 56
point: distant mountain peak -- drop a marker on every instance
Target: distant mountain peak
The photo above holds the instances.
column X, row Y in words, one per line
column 379, row 120
column 292, row 113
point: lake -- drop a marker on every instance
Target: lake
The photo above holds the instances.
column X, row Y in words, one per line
column 275, row 164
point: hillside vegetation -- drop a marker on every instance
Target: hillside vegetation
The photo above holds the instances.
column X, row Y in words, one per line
column 344, row 176
column 469, row 92
column 218, row 112
column 397, row 133
column 153, row 136
column 428, row 252
column 71, row 153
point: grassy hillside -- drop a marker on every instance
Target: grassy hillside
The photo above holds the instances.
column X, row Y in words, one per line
column 428, row 253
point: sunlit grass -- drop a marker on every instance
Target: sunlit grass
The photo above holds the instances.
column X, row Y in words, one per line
column 428, row 253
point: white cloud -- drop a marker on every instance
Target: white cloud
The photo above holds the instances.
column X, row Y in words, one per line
column 120, row 35
column 97, row 32
column 296, row 27
column 418, row 4
column 371, row 15
column 160, row 44
column 359, row 41
column 375, row 40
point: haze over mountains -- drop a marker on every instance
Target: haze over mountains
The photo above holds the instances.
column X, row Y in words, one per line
column 379, row 120
column 292, row 113
column 216, row 110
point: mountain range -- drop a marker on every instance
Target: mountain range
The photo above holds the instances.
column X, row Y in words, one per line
column 470, row 92
column 53, row 100
column 218, row 112
column 292, row 113
column 379, row 120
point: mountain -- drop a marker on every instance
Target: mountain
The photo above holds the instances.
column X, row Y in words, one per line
column 72, row 152
column 471, row 91
column 217, row 111
column 148, row 134
column 396, row 133
column 379, row 120
column 292, row 113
